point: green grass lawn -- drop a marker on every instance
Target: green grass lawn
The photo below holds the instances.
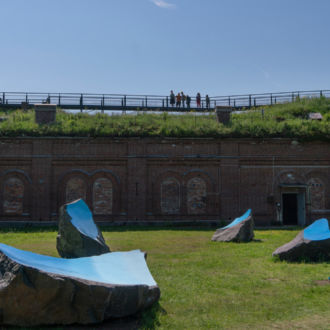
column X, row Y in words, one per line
column 215, row 285
column 279, row 121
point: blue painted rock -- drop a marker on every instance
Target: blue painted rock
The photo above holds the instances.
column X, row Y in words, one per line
column 311, row 244
column 42, row 290
column 240, row 230
column 78, row 234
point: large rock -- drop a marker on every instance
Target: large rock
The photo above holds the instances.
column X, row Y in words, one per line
column 240, row 230
column 40, row 290
column 311, row 244
column 78, row 234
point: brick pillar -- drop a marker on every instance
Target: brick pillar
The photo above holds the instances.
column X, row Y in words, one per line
column 136, row 181
column 137, row 189
column 41, row 179
column 229, row 196
column 230, row 181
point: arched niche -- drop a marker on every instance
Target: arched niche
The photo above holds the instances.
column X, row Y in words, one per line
column 102, row 196
column 13, row 196
column 75, row 188
column 170, row 196
column 317, row 193
column 196, row 196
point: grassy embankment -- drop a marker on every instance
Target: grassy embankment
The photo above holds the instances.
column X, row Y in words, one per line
column 214, row 285
column 287, row 120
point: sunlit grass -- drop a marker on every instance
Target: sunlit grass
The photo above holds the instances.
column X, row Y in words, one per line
column 214, row 285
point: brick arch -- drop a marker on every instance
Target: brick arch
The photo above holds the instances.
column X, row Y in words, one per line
column 15, row 193
column 105, row 189
column 196, row 195
column 290, row 177
column 317, row 189
column 198, row 187
column 167, row 183
column 170, row 196
column 73, row 185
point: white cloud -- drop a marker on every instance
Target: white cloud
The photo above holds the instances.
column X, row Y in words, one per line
column 163, row 4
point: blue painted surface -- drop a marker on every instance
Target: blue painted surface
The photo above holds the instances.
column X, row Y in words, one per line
column 240, row 219
column 118, row 268
column 318, row 230
column 82, row 218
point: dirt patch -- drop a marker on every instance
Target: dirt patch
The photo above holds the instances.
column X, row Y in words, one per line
column 323, row 282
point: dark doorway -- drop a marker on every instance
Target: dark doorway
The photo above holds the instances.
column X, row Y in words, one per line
column 290, row 209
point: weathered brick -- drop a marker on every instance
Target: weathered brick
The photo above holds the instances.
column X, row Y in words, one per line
column 170, row 196
column 102, row 196
column 13, row 196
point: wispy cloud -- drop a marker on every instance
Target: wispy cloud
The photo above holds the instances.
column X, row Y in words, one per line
column 163, row 4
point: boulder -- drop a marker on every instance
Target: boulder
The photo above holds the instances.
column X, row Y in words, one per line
column 240, row 230
column 311, row 244
column 78, row 234
column 41, row 290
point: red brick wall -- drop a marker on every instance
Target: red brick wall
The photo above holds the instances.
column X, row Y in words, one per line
column 161, row 179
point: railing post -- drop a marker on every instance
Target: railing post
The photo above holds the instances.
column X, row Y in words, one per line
column 59, row 100
column 146, row 101
column 271, row 99
column 254, row 101
column 229, row 100
column 275, row 100
column 321, row 94
column 125, row 100
column 235, row 103
column 102, row 102
column 292, row 97
column 250, row 101
column 163, row 103
column 3, row 97
column 167, row 102
column 81, row 103
column 26, row 98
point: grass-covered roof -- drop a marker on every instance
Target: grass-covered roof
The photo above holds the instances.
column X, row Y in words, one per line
column 278, row 121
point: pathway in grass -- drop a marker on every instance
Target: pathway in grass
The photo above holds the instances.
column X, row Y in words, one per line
column 208, row 284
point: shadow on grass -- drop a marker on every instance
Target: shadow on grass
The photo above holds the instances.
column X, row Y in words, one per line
column 34, row 228
column 148, row 319
column 302, row 260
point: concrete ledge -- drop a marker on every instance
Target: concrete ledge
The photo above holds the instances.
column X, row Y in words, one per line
column 45, row 113
column 181, row 223
column 187, row 223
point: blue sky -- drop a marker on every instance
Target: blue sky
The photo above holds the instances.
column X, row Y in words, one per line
column 218, row 47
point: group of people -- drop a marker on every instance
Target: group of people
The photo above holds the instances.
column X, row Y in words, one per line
column 182, row 100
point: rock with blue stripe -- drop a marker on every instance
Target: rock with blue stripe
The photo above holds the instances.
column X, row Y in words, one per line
column 40, row 290
column 240, row 230
column 78, row 234
column 311, row 244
